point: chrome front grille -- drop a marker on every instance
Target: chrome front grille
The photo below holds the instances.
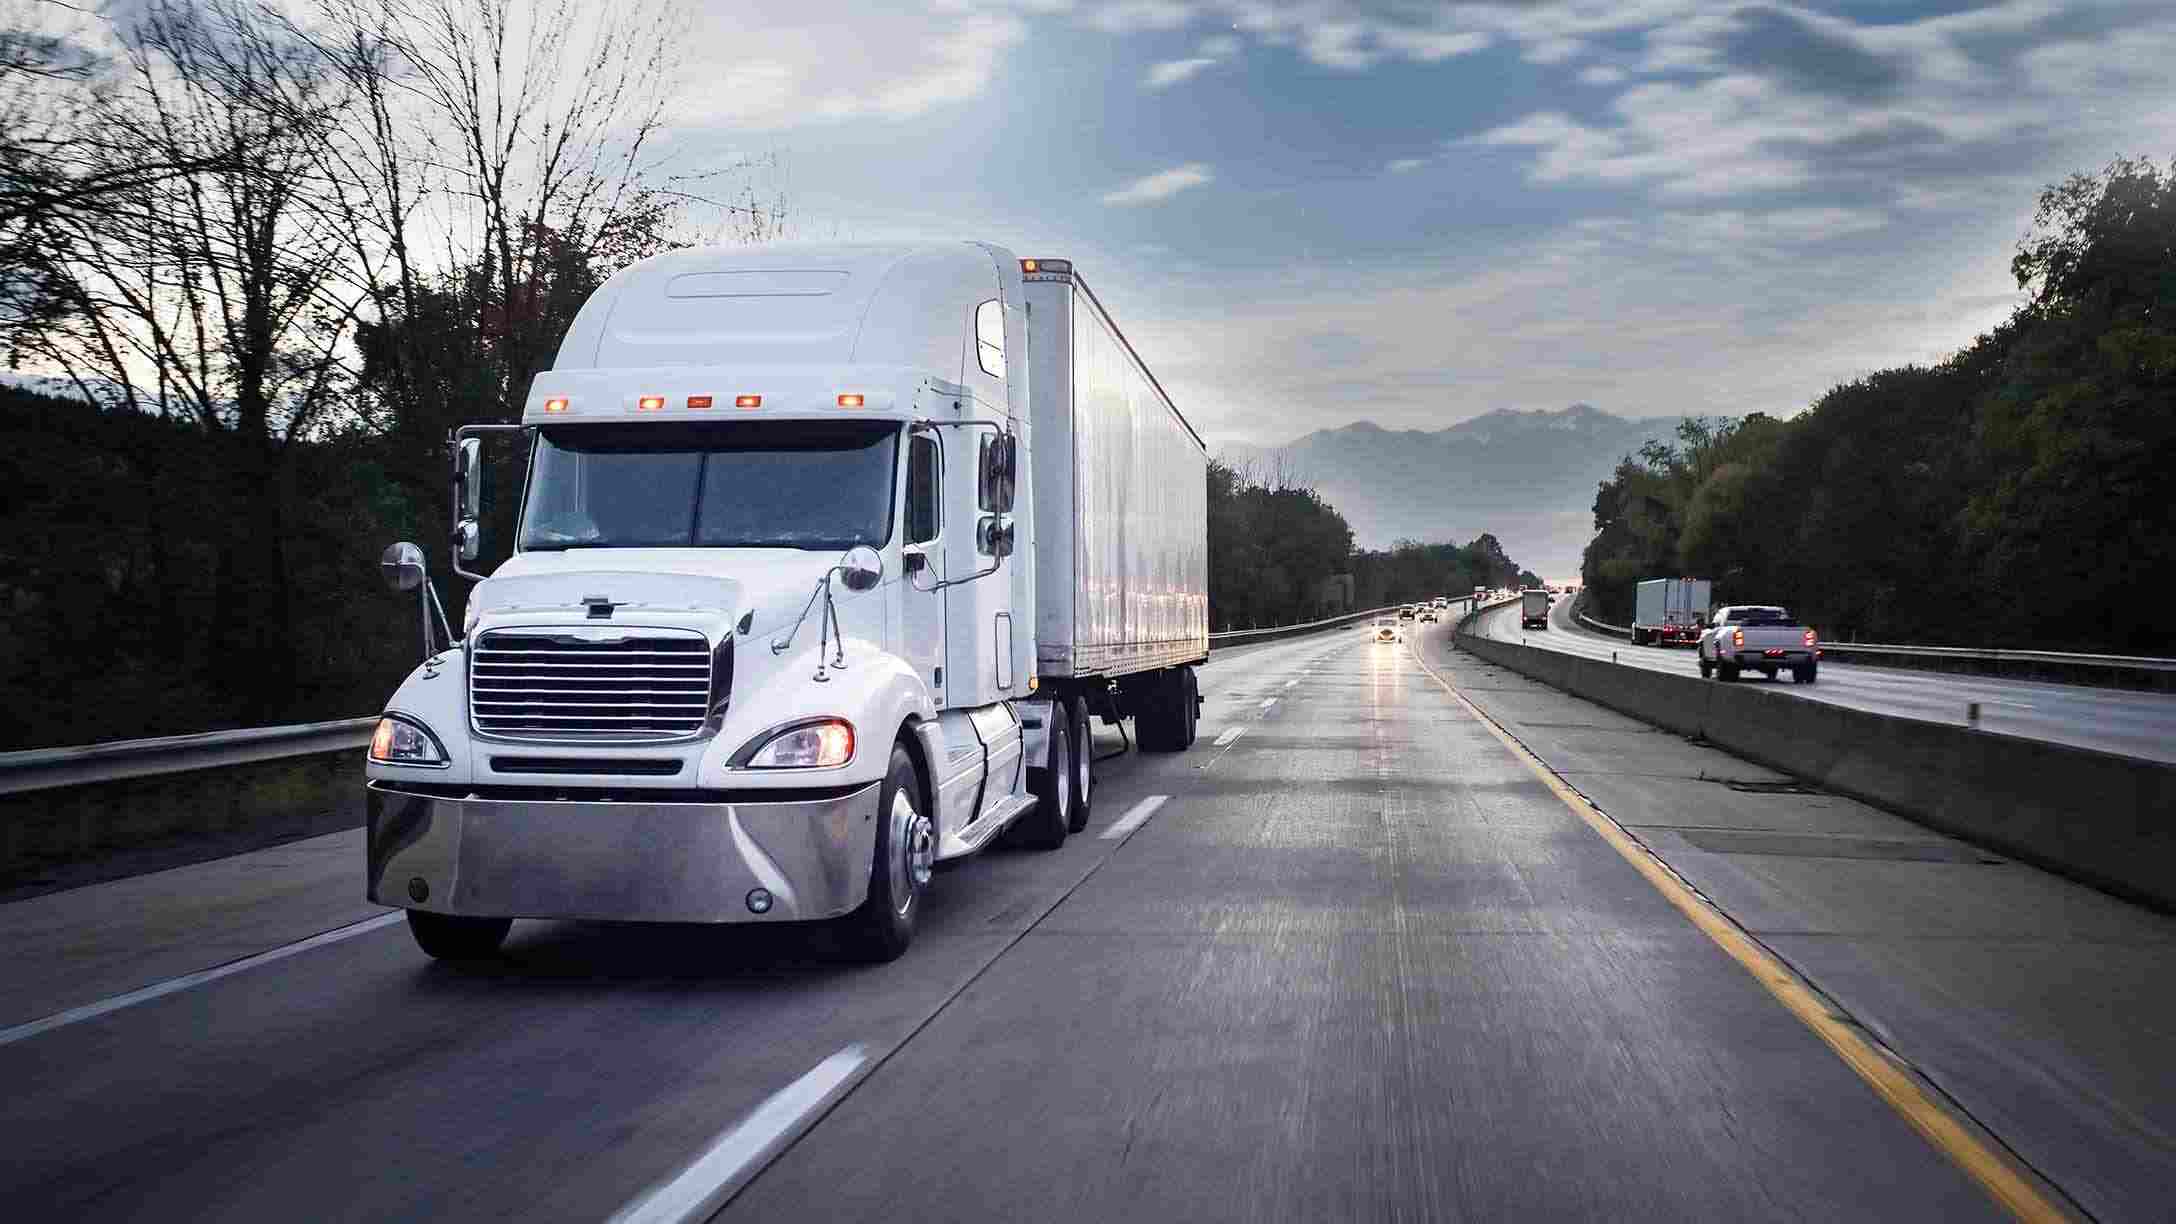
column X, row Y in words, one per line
column 549, row 683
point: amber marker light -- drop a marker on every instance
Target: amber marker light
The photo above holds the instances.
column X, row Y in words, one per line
column 747, row 401
column 557, row 403
column 849, row 400
column 650, row 403
column 698, row 401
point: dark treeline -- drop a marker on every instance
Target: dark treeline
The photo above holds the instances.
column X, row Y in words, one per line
column 2020, row 494
column 1280, row 554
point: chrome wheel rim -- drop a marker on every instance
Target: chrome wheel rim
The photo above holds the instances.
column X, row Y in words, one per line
column 1081, row 762
column 914, row 850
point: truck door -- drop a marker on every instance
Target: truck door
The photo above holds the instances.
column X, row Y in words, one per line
column 921, row 610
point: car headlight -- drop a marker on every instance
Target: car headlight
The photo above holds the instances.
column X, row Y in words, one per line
column 824, row 743
column 402, row 741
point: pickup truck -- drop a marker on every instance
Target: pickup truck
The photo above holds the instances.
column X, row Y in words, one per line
column 1762, row 637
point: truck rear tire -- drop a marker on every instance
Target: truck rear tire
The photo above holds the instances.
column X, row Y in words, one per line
column 1084, row 763
column 1726, row 673
column 1045, row 826
column 449, row 937
column 1805, row 675
column 906, row 848
column 1707, row 669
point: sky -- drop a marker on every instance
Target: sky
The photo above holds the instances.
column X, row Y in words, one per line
column 1309, row 212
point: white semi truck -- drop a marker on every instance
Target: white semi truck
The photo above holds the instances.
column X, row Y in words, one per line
column 826, row 557
column 1669, row 611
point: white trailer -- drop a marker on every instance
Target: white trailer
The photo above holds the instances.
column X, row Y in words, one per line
column 1670, row 610
column 1121, row 503
column 767, row 645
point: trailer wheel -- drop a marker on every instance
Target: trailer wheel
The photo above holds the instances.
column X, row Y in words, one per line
column 1159, row 723
column 449, row 937
column 1190, row 703
column 1084, row 763
column 1045, row 827
column 906, row 849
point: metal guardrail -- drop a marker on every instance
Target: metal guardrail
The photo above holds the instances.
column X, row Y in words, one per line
column 1241, row 636
column 47, row 768
column 44, row 768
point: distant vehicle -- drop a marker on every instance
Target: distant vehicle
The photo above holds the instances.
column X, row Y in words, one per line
column 1670, row 610
column 1386, row 629
column 1762, row 637
column 1427, row 615
column 1480, row 595
column 1533, row 609
column 1443, row 601
column 1406, row 612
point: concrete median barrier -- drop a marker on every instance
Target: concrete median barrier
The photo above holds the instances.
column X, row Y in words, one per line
column 2105, row 819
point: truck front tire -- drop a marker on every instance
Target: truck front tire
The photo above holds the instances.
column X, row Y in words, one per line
column 905, row 850
column 449, row 937
column 1045, row 826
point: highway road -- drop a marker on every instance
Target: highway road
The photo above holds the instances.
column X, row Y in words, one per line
column 2131, row 723
column 1393, row 941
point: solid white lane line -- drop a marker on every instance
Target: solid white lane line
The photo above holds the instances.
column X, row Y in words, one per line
column 712, row 1177
column 159, row 990
column 1230, row 737
column 1134, row 817
column 1269, row 702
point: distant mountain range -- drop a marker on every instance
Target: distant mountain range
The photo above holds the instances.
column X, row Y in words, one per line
column 1528, row 477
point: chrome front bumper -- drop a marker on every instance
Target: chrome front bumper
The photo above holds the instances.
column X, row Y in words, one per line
column 620, row 861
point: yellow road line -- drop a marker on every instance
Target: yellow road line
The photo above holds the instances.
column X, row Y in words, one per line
column 2008, row 1185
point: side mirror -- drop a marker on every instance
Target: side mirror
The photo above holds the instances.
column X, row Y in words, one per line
column 913, row 559
column 467, row 539
column 861, row 568
column 993, row 536
column 468, row 478
column 402, row 566
column 996, row 480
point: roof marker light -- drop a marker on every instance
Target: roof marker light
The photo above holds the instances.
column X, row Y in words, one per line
column 650, row 403
column 747, row 401
column 850, row 400
column 557, row 403
column 698, row 401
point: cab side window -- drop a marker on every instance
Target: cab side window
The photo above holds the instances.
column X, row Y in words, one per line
column 990, row 337
column 922, row 472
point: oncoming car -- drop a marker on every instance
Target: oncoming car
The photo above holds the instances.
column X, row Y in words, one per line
column 1386, row 629
column 1427, row 614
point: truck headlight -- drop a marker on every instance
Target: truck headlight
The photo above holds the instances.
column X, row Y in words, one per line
column 402, row 741
column 824, row 743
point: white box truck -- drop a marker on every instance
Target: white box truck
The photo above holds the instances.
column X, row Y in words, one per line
column 1669, row 611
column 1533, row 609
column 826, row 557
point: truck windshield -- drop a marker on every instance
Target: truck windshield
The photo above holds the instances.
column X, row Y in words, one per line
column 751, row 484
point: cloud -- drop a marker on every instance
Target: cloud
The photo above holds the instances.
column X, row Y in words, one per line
column 1774, row 98
column 784, row 65
column 1601, row 74
column 1171, row 72
column 1161, row 186
column 1403, row 164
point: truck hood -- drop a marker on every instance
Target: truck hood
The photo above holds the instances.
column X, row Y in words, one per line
column 726, row 583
